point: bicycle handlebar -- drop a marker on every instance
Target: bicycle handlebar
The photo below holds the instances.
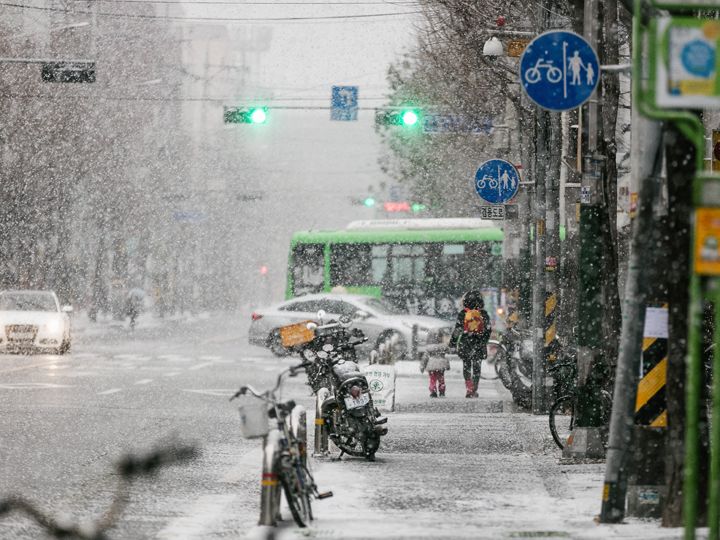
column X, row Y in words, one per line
column 129, row 467
column 268, row 395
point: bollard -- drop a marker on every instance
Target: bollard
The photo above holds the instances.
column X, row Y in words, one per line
column 269, row 485
column 298, row 424
column 414, row 343
column 321, row 435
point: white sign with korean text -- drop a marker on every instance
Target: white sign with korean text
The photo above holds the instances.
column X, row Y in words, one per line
column 381, row 379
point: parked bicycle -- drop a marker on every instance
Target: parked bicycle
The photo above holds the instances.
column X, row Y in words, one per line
column 284, row 451
column 562, row 412
column 512, row 360
column 128, row 469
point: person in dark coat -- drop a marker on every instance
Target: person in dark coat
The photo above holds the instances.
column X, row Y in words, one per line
column 470, row 337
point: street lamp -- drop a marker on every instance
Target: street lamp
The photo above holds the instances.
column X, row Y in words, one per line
column 493, row 47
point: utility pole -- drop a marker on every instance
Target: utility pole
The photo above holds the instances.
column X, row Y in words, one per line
column 539, row 401
column 636, row 296
column 538, row 373
column 585, row 440
column 552, row 241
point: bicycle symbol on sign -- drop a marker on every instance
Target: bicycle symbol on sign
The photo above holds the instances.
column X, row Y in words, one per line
column 487, row 180
column 534, row 74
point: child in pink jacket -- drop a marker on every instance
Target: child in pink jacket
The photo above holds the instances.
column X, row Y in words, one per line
column 435, row 366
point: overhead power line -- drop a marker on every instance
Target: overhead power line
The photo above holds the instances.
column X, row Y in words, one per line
column 167, row 99
column 266, row 3
column 214, row 19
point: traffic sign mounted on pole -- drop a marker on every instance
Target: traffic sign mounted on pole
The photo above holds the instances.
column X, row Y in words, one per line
column 559, row 70
column 497, row 181
column 344, row 103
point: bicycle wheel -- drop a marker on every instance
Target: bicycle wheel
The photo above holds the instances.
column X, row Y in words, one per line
column 489, row 366
column 502, row 365
column 294, row 481
column 562, row 419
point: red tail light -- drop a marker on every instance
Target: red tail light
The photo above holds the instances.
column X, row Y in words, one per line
column 355, row 391
column 256, row 316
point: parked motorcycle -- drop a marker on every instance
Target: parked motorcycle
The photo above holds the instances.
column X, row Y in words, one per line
column 353, row 423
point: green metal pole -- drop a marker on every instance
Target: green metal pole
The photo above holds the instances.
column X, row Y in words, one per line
column 689, row 124
column 713, row 514
column 692, row 405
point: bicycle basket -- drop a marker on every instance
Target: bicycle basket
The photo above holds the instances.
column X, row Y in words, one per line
column 254, row 419
column 296, row 334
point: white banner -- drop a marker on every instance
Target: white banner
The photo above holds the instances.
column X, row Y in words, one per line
column 381, row 379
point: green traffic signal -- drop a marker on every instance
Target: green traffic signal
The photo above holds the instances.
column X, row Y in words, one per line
column 410, row 117
column 406, row 117
column 258, row 116
column 418, row 207
column 369, row 202
column 245, row 115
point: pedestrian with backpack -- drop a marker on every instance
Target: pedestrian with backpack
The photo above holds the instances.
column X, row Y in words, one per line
column 470, row 337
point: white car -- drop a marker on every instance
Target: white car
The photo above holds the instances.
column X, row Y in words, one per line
column 33, row 321
column 379, row 320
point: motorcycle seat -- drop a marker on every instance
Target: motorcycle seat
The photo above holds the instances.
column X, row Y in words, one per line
column 347, row 370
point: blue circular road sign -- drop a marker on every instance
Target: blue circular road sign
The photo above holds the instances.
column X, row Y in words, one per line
column 497, row 181
column 559, row 70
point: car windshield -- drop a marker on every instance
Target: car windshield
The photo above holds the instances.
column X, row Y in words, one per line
column 27, row 302
column 382, row 306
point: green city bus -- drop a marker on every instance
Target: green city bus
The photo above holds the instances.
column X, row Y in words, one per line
column 421, row 265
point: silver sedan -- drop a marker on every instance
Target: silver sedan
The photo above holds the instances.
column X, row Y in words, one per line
column 381, row 322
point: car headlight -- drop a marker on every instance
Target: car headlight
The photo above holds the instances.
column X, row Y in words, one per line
column 53, row 326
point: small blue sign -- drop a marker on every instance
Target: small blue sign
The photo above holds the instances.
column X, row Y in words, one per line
column 497, row 181
column 559, row 70
column 698, row 58
column 344, row 103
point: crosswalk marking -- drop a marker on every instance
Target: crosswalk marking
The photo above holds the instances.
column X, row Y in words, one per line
column 110, row 391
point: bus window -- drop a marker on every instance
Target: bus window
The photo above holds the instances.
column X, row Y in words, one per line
column 350, row 264
column 379, row 264
column 308, row 268
column 408, row 263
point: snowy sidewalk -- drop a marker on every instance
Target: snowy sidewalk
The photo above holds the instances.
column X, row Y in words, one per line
column 457, row 468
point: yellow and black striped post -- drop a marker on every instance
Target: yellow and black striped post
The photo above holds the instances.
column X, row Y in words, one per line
column 646, row 482
column 550, row 326
column 650, row 405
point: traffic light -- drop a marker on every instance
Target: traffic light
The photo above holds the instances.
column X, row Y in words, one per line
column 406, row 117
column 245, row 115
column 410, row 118
column 369, row 202
column 418, row 207
column 68, row 72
